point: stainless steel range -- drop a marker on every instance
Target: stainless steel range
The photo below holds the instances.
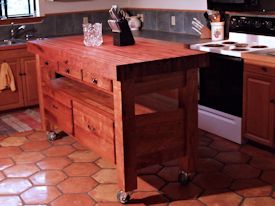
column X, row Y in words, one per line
column 221, row 84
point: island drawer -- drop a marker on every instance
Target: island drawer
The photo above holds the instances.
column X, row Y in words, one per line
column 48, row 69
column 260, row 69
column 97, row 81
column 69, row 69
column 94, row 130
column 59, row 114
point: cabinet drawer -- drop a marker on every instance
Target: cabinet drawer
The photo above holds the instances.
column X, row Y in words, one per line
column 56, row 95
column 59, row 114
column 260, row 69
column 48, row 69
column 69, row 69
column 94, row 130
column 99, row 82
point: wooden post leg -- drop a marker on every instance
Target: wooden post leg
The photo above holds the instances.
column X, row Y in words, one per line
column 125, row 135
column 188, row 99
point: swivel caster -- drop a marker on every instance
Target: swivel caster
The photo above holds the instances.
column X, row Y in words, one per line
column 183, row 178
column 123, row 197
column 51, row 136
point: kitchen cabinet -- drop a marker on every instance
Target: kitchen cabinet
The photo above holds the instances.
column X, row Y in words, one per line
column 23, row 66
column 259, row 102
column 106, row 97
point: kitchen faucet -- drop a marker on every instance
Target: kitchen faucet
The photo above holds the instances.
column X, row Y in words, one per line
column 14, row 31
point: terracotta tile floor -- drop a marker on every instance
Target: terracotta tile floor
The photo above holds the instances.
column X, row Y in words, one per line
column 34, row 171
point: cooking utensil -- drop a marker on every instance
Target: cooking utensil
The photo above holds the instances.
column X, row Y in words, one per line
column 114, row 25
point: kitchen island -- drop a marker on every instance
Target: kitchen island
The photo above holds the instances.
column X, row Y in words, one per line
column 111, row 99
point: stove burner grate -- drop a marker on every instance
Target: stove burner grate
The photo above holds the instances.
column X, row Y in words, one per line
column 228, row 42
column 213, row 45
column 239, row 49
column 241, row 45
column 258, row 46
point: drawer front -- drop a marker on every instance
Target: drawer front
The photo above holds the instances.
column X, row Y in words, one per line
column 57, row 95
column 59, row 114
column 48, row 69
column 94, row 130
column 98, row 82
column 260, row 69
column 70, row 70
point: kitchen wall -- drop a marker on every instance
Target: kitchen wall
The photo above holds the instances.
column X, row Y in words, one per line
column 171, row 4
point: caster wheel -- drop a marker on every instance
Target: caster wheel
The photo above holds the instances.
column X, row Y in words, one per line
column 51, row 136
column 183, row 178
column 123, row 197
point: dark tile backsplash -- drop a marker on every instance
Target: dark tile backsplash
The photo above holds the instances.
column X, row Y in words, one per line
column 71, row 23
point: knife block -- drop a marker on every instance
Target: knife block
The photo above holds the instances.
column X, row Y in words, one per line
column 125, row 36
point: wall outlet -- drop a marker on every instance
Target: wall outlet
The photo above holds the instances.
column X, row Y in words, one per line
column 173, row 20
column 141, row 17
column 85, row 20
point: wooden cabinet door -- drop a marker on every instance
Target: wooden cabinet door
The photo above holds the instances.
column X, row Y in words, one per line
column 9, row 99
column 258, row 119
column 28, row 68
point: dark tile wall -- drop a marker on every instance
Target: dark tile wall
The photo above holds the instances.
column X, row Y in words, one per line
column 71, row 23
column 159, row 20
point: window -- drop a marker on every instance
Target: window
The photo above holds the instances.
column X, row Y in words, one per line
column 17, row 8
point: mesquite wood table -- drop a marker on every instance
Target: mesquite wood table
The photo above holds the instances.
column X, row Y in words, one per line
column 115, row 100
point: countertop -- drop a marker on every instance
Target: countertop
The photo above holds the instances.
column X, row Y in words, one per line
column 266, row 55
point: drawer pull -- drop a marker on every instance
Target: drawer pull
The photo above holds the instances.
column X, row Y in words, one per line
column 94, row 81
column 67, row 71
column 55, row 107
column 264, row 69
column 272, row 101
column 66, row 62
column 92, row 129
column 46, row 63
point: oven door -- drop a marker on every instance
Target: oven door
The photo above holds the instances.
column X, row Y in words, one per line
column 221, row 84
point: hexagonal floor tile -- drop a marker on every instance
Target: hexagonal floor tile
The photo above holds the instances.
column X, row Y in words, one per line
column 10, row 201
column 81, row 169
column 83, row 156
column 232, row 157
column 73, row 200
column 251, row 188
column 57, row 151
column 148, row 198
column 35, row 146
column 206, row 152
column 150, row 170
column 259, row 201
column 77, row 185
column 5, row 163
column 212, row 181
column 53, row 163
column 170, row 174
column 269, row 176
column 186, row 203
column 14, row 186
column 67, row 140
column 264, row 163
column 224, row 146
column 13, row 141
column 104, row 164
column 6, row 152
column 106, row 176
column 105, row 192
column 171, row 163
column 40, row 195
column 241, row 171
column 208, row 165
column 38, row 136
column 48, row 177
column 79, row 146
column 21, row 170
column 254, row 151
column 28, row 157
column 176, row 191
column 227, row 198
column 149, row 183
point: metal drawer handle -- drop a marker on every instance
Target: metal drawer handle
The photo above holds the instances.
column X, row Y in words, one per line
column 94, row 81
column 91, row 128
column 264, row 69
column 67, row 71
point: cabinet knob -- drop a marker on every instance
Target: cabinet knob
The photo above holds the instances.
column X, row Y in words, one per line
column 66, row 62
column 264, row 69
column 67, row 71
column 272, row 101
column 94, row 81
column 55, row 107
column 92, row 129
column 46, row 63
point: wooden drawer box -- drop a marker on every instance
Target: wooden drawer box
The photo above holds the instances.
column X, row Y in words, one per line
column 69, row 69
column 48, row 69
column 94, row 130
column 59, row 114
column 260, row 69
column 98, row 82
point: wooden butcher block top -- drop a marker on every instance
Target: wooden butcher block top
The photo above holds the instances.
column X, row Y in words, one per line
column 266, row 56
column 146, row 57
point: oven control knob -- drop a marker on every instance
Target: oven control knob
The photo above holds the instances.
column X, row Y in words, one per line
column 257, row 24
column 268, row 24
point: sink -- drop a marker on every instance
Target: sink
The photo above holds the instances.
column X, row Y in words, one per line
column 7, row 42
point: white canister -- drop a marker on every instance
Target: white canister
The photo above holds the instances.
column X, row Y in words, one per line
column 217, row 31
column 134, row 22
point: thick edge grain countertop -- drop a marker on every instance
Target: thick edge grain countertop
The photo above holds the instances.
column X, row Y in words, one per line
column 146, row 57
column 266, row 55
